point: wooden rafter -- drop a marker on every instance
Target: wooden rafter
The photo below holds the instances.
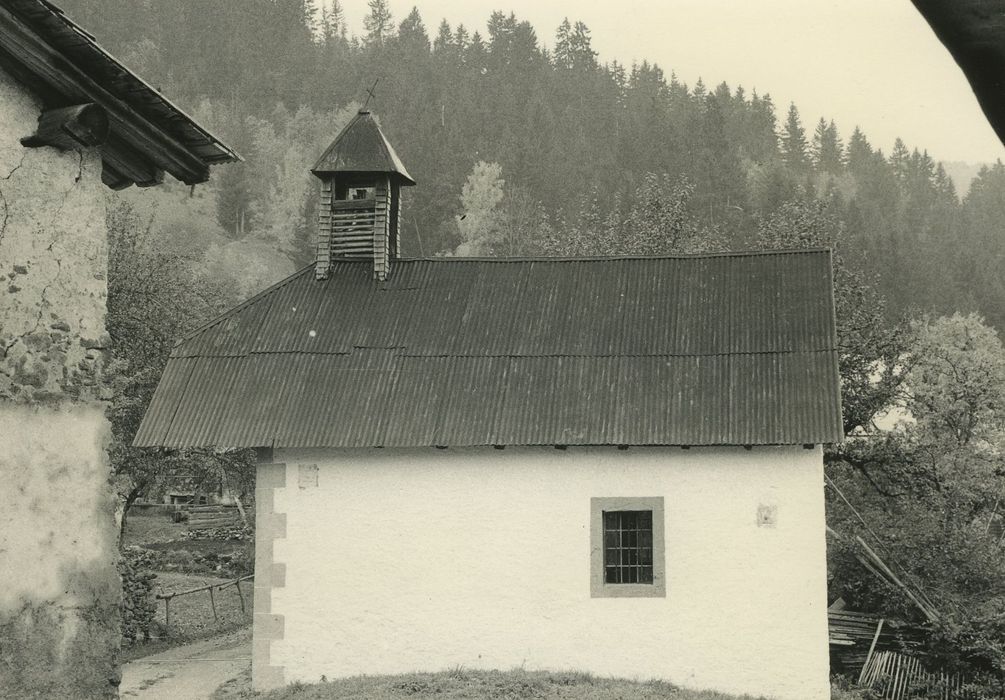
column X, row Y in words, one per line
column 61, row 83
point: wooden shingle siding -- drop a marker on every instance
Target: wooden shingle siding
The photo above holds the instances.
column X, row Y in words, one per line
column 323, row 259
column 396, row 217
column 380, row 229
column 353, row 224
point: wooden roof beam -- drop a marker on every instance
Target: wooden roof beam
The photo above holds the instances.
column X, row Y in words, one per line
column 122, row 158
column 70, row 127
column 23, row 46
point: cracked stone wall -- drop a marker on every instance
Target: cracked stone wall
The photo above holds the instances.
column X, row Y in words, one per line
column 59, row 590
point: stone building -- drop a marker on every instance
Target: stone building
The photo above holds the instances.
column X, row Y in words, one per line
column 610, row 465
column 75, row 122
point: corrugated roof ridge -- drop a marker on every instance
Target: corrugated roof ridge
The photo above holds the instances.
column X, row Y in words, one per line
column 632, row 354
column 635, row 445
column 240, row 307
column 602, row 258
column 744, row 353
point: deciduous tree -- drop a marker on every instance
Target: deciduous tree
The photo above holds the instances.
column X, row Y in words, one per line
column 156, row 293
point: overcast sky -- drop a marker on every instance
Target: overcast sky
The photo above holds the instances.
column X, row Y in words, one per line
column 874, row 63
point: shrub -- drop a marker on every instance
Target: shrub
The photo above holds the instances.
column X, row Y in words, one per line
column 239, row 533
column 227, row 564
column 842, row 689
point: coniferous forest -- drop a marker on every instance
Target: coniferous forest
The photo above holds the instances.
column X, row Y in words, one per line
column 526, row 143
column 564, row 139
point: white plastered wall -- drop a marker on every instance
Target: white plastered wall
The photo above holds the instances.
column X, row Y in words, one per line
column 59, row 587
column 398, row 561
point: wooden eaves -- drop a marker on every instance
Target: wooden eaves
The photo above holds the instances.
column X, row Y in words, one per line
column 136, row 149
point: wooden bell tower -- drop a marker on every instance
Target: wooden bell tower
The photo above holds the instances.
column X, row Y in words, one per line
column 359, row 211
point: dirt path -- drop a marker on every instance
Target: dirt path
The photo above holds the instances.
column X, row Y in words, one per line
column 190, row 672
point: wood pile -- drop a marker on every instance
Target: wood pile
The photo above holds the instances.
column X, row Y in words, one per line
column 203, row 517
column 854, row 634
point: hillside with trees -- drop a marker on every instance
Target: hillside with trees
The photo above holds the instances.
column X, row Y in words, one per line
column 574, row 139
column 528, row 144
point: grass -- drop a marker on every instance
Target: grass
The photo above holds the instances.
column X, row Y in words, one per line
column 461, row 683
column 192, row 615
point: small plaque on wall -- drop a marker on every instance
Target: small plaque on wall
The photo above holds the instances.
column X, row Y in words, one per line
column 767, row 516
column 308, row 478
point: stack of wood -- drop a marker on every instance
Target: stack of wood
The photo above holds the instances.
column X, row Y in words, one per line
column 854, row 636
column 205, row 517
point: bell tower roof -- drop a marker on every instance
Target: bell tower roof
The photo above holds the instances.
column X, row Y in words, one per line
column 362, row 148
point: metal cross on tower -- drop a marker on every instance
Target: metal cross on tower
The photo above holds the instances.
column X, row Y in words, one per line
column 370, row 93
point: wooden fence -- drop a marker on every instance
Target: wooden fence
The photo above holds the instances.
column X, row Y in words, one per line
column 895, row 676
column 236, row 583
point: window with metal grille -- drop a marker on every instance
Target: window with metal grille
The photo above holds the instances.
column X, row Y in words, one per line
column 627, row 557
column 628, row 546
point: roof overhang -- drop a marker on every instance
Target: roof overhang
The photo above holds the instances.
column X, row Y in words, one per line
column 974, row 33
column 64, row 66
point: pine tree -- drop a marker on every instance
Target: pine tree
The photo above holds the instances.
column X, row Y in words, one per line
column 563, row 45
column 899, row 160
column 378, row 23
column 444, row 39
column 583, row 55
column 760, row 139
column 984, row 258
column 461, row 41
column 619, row 76
column 476, row 53
column 826, row 148
column 524, row 50
column 944, row 185
column 412, row 33
column 333, row 26
column 676, row 90
column 794, row 142
column 858, row 154
column 501, row 29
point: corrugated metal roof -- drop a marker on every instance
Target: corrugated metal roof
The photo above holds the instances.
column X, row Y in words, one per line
column 80, row 47
column 361, row 147
column 724, row 349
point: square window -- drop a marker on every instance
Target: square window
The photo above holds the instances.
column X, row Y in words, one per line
column 627, row 549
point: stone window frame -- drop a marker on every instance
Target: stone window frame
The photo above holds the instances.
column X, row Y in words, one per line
column 598, row 587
